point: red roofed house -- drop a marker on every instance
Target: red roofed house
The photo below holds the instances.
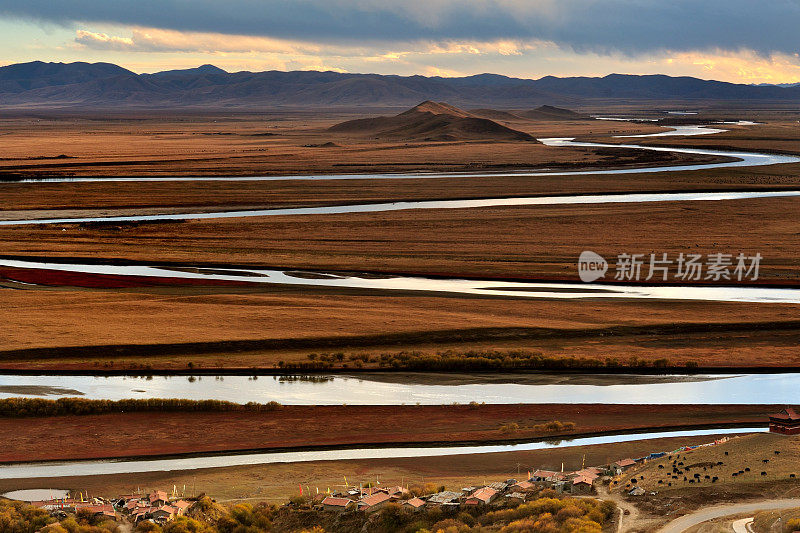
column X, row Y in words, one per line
column 481, row 496
column 181, row 506
column 582, row 485
column 547, row 475
column 165, row 513
column 622, row 464
column 133, row 505
column 395, row 492
column 787, row 422
column 588, row 473
column 522, row 485
column 415, row 503
column 332, row 503
column 141, row 513
column 158, row 498
column 373, row 502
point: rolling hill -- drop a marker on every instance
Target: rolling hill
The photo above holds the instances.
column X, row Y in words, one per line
column 431, row 121
column 104, row 85
column 548, row 112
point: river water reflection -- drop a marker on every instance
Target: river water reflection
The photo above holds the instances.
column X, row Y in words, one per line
column 427, row 389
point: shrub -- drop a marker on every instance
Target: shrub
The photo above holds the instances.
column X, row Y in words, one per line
column 25, row 407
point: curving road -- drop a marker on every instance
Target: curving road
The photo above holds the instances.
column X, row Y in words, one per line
column 718, row 511
column 742, row 525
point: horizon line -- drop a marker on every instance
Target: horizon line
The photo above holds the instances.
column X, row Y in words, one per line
column 781, row 85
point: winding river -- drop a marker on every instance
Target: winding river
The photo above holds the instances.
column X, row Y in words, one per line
column 738, row 159
column 509, row 289
column 424, row 204
column 392, row 388
column 380, row 389
column 741, row 159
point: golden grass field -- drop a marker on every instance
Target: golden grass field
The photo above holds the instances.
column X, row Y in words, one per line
column 526, row 242
column 272, row 143
column 331, row 321
column 744, row 456
column 51, row 328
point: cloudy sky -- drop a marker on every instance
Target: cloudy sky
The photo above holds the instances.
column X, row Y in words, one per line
column 733, row 40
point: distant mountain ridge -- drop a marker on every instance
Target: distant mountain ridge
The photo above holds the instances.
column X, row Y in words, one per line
column 777, row 84
column 23, row 77
column 104, row 85
column 197, row 71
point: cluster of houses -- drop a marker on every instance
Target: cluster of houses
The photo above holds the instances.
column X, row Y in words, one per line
column 159, row 508
column 364, row 499
column 61, row 507
column 509, row 492
column 156, row 506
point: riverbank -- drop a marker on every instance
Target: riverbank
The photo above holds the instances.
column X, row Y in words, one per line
column 276, row 481
column 173, row 433
column 273, row 142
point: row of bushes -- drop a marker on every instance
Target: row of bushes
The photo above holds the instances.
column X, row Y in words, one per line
column 474, row 360
column 24, row 407
column 19, row 517
column 545, row 513
column 554, row 426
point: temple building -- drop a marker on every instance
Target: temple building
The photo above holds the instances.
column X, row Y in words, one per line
column 787, row 422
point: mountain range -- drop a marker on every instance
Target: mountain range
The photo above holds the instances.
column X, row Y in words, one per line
column 104, row 85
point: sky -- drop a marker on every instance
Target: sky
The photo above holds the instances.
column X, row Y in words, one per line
column 740, row 41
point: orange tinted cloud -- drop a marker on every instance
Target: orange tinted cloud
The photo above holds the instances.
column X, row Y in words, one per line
column 159, row 40
column 743, row 66
column 520, row 58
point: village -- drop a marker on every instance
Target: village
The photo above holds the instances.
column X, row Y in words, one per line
column 159, row 507
column 628, row 478
column 156, row 506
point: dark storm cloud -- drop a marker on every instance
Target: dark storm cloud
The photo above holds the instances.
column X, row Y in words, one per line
column 629, row 26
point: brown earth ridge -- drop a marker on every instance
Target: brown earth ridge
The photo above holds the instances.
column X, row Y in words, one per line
column 431, row 121
column 152, row 434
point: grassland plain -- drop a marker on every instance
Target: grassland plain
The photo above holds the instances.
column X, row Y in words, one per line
column 168, row 431
column 242, row 327
column 134, row 329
